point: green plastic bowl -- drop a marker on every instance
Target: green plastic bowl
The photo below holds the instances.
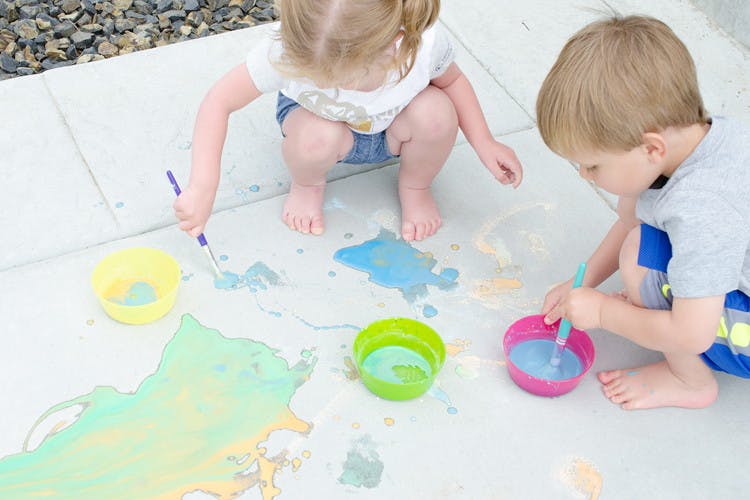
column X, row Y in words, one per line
column 398, row 358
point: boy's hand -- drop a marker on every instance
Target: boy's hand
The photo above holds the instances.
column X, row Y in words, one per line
column 193, row 209
column 554, row 296
column 502, row 162
column 582, row 307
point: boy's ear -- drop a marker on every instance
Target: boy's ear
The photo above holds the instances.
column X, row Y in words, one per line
column 655, row 146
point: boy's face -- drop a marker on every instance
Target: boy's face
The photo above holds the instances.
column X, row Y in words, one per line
column 623, row 173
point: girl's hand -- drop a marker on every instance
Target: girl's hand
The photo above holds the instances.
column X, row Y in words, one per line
column 193, row 208
column 582, row 307
column 502, row 162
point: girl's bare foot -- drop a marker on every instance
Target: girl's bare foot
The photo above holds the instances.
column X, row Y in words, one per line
column 420, row 216
column 303, row 209
column 655, row 386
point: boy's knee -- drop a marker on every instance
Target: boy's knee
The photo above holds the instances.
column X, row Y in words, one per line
column 632, row 274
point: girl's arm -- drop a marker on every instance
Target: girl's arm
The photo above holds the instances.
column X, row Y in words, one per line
column 233, row 91
column 499, row 159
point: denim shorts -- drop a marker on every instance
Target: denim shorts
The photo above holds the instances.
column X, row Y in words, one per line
column 730, row 351
column 367, row 148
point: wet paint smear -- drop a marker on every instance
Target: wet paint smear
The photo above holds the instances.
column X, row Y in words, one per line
column 194, row 425
column 533, row 358
column 136, row 293
column 394, row 263
column 397, row 365
column 362, row 466
column 257, row 277
column 439, row 394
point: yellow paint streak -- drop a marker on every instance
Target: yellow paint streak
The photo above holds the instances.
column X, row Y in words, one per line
column 496, row 286
column 458, row 347
column 351, row 371
column 585, row 478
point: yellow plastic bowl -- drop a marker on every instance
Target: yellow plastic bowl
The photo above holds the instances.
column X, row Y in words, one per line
column 136, row 285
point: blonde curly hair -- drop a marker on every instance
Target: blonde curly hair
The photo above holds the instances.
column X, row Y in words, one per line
column 336, row 41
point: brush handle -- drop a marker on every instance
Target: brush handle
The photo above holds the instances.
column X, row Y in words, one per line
column 201, row 237
column 564, row 330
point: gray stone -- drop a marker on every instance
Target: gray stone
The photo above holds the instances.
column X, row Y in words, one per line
column 64, row 29
column 69, row 6
column 82, row 39
column 25, row 28
column 7, row 63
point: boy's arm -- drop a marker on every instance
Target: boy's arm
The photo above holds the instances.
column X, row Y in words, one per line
column 499, row 159
column 690, row 327
column 233, row 91
column 602, row 263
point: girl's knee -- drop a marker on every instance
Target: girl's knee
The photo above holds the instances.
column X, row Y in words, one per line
column 317, row 139
column 433, row 113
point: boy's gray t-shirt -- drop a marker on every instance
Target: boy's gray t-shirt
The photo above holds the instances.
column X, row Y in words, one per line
column 705, row 209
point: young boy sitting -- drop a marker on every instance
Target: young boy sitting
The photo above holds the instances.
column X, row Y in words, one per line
column 622, row 102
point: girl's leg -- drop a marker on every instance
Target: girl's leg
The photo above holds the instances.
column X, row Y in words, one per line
column 311, row 146
column 423, row 134
column 682, row 379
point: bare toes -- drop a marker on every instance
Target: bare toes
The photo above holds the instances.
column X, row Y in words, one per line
column 408, row 231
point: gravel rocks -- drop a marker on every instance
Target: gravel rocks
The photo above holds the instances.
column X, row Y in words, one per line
column 37, row 35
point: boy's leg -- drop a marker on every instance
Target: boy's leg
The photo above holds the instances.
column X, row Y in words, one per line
column 423, row 134
column 311, row 146
column 682, row 379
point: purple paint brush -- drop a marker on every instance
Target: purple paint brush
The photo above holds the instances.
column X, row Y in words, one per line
column 201, row 237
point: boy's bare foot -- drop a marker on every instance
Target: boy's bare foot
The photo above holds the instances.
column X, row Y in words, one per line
column 420, row 216
column 303, row 209
column 655, row 386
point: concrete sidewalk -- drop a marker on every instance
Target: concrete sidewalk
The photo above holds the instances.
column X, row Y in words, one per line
column 85, row 151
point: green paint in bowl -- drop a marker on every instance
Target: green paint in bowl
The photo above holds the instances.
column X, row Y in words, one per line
column 398, row 358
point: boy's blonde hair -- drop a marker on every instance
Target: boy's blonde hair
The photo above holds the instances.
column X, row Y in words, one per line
column 336, row 41
column 615, row 80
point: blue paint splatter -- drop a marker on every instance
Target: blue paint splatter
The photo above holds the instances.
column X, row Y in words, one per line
column 437, row 393
column 331, row 273
column 394, row 263
column 223, row 258
column 255, row 278
column 299, row 250
column 119, row 204
column 254, row 188
column 429, row 311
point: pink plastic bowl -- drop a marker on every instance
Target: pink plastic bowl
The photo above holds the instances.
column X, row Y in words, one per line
column 532, row 328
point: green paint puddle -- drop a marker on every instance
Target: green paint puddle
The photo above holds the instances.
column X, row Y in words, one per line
column 397, row 365
column 194, row 425
column 362, row 466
